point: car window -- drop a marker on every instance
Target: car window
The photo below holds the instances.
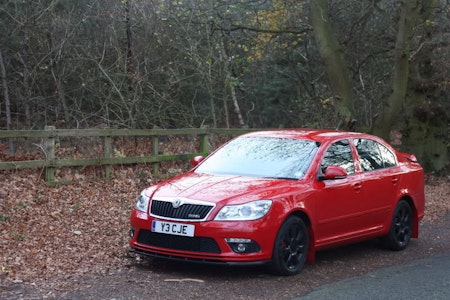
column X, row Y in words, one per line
column 339, row 154
column 373, row 155
column 388, row 156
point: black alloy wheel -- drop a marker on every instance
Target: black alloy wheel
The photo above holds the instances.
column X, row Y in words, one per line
column 291, row 247
column 401, row 227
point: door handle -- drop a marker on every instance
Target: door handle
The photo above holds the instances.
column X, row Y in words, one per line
column 394, row 180
column 357, row 186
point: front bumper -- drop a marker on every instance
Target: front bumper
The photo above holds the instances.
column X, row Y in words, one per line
column 210, row 243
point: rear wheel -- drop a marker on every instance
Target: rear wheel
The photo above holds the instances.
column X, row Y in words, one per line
column 401, row 227
column 291, row 247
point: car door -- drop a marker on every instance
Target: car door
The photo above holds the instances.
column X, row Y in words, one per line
column 380, row 179
column 338, row 202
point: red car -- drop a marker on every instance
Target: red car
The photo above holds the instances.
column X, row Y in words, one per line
column 276, row 197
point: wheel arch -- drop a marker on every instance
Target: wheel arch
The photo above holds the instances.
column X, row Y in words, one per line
column 409, row 200
column 311, row 256
column 303, row 215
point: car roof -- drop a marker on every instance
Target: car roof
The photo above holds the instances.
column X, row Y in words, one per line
column 318, row 135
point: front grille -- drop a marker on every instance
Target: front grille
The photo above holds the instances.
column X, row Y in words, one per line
column 186, row 211
column 195, row 244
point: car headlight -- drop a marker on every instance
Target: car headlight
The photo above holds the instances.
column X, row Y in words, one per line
column 244, row 212
column 142, row 203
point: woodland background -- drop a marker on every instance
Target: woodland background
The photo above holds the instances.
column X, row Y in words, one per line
column 379, row 66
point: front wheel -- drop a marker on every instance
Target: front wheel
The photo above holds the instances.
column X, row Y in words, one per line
column 291, row 247
column 401, row 227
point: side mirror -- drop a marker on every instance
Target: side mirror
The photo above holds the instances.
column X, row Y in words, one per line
column 334, row 172
column 196, row 160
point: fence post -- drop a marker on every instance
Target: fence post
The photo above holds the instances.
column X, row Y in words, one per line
column 107, row 147
column 204, row 144
column 155, row 150
column 49, row 149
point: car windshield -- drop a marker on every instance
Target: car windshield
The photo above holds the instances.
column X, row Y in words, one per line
column 268, row 157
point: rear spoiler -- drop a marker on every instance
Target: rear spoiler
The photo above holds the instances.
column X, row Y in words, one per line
column 409, row 157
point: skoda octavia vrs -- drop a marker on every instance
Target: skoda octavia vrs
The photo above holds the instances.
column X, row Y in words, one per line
column 277, row 197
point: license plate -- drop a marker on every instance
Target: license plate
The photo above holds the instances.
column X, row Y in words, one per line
column 173, row 228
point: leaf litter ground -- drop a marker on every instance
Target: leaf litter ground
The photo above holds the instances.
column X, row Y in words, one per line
column 49, row 235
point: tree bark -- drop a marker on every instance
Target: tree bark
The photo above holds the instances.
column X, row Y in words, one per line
column 5, row 92
column 426, row 126
column 393, row 108
column 7, row 101
column 25, row 92
column 335, row 62
column 230, row 82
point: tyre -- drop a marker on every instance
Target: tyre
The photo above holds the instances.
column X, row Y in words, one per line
column 401, row 227
column 290, row 248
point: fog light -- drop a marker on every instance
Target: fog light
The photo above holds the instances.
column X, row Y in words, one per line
column 242, row 246
column 131, row 233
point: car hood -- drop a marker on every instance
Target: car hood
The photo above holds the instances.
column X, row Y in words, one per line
column 217, row 188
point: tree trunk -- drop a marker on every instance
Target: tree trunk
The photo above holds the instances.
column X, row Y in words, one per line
column 335, row 62
column 394, row 107
column 7, row 101
column 25, row 92
column 426, row 129
column 60, row 87
column 5, row 92
column 230, row 82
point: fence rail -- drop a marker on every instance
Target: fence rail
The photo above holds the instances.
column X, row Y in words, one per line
column 50, row 134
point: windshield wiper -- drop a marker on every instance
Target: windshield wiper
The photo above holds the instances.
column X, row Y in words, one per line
column 280, row 177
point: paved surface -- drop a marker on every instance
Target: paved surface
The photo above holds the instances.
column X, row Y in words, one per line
column 423, row 279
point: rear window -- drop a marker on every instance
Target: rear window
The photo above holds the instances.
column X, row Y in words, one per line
column 373, row 155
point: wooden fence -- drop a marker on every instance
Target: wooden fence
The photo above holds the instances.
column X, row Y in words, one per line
column 50, row 135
